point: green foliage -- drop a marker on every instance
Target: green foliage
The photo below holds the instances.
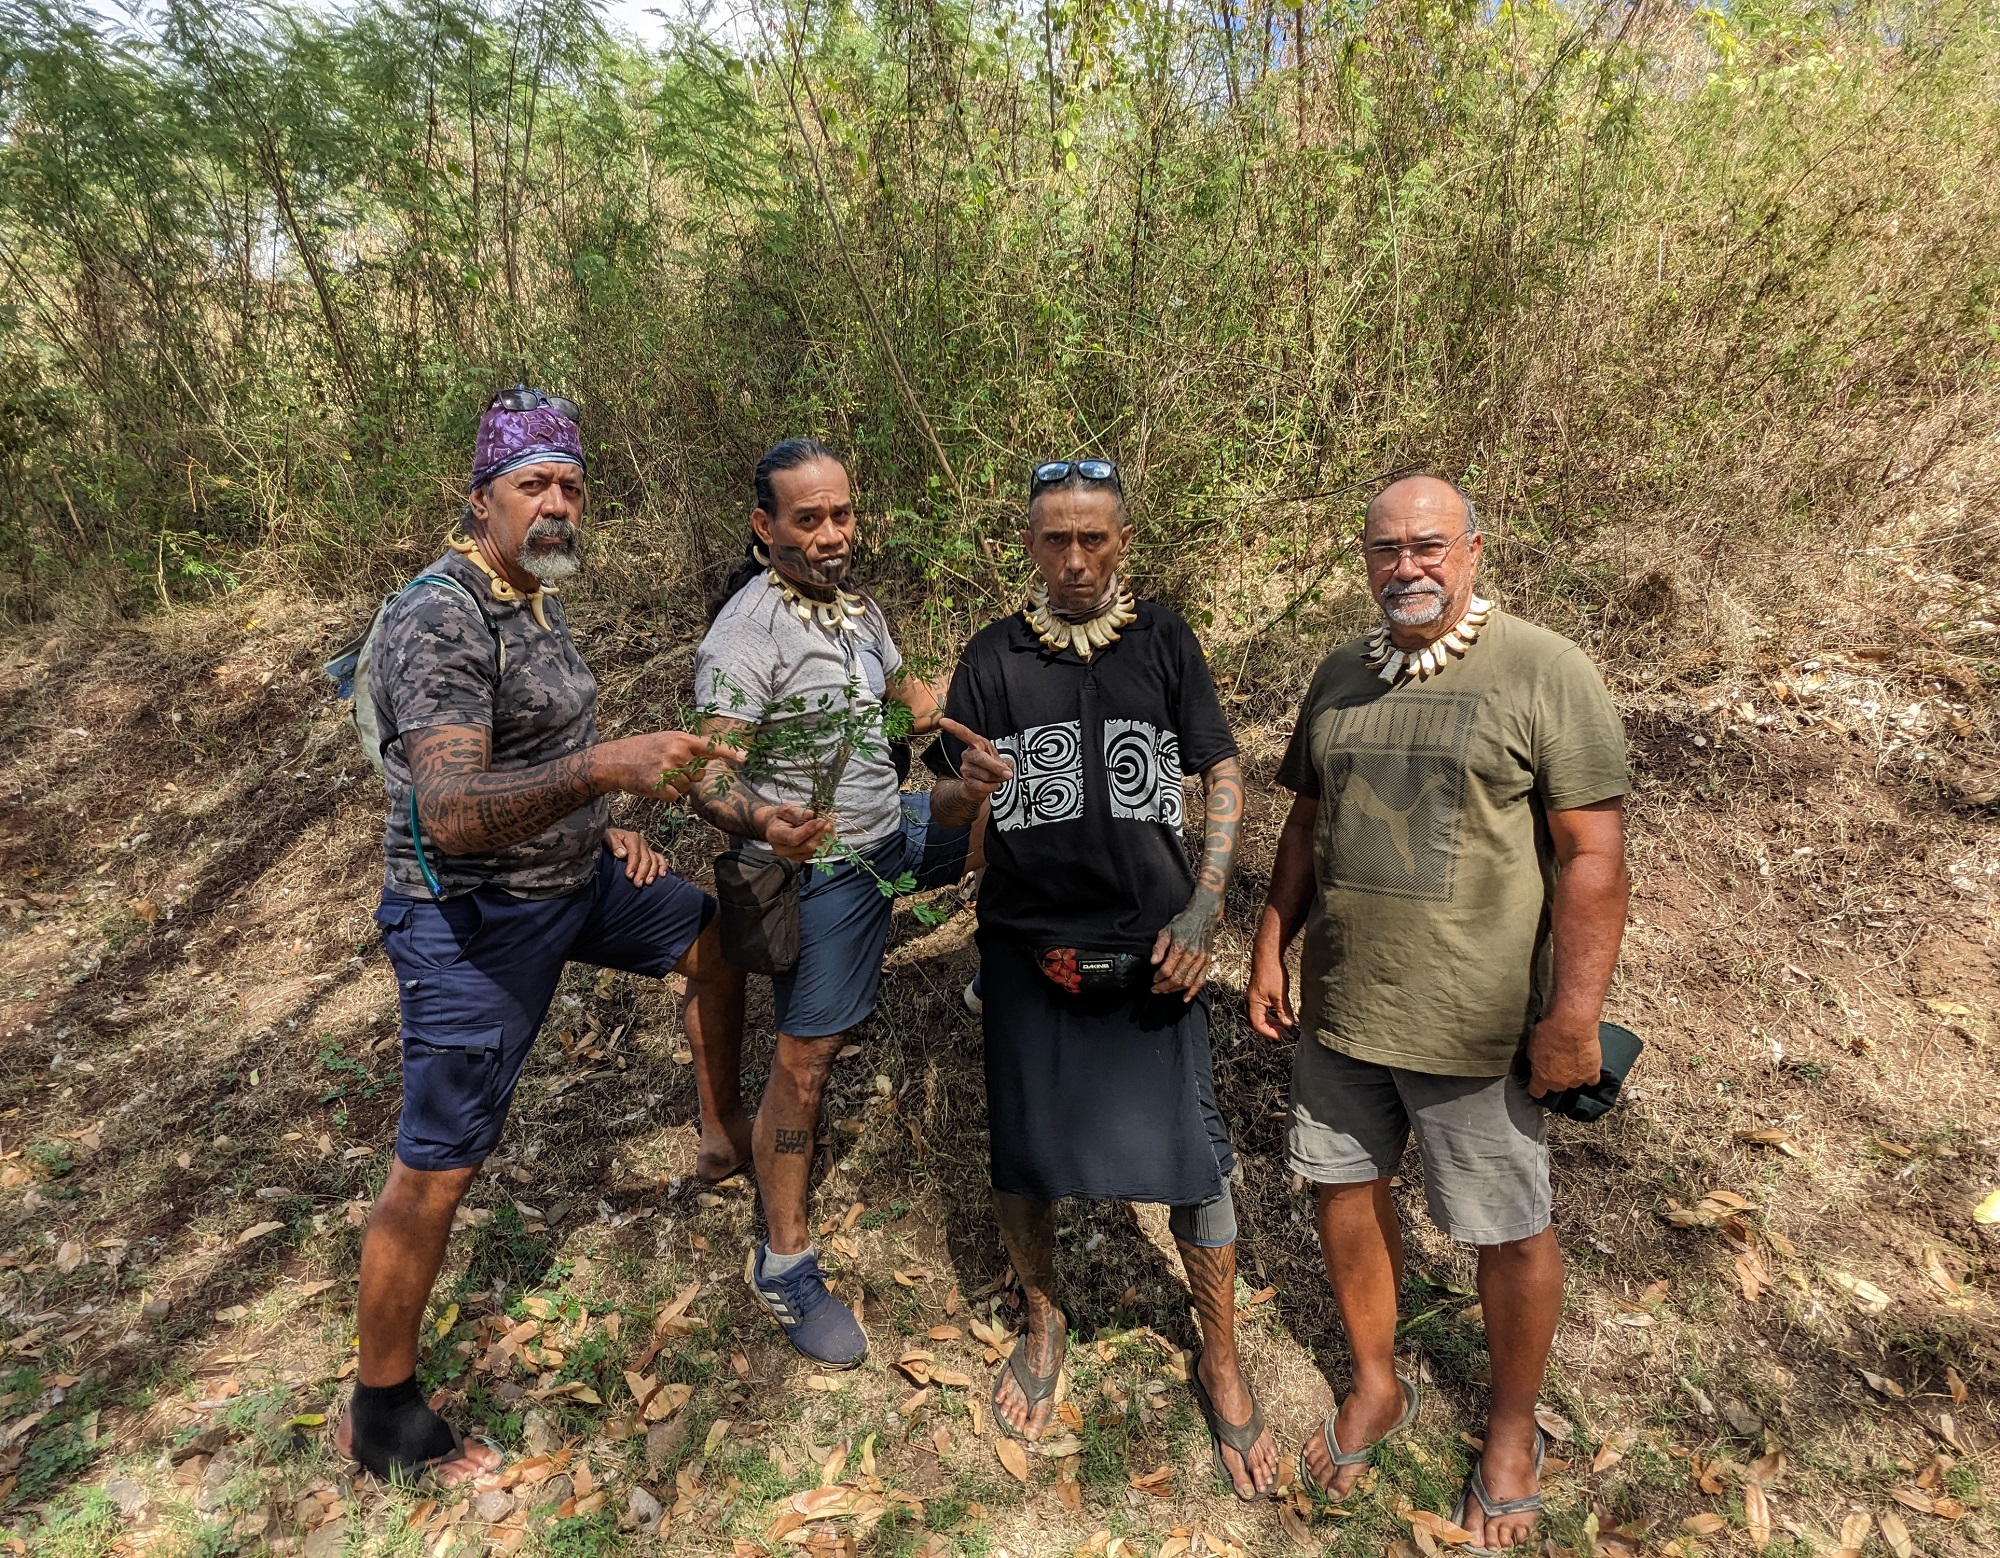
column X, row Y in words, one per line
column 1705, row 267
column 81, row 1523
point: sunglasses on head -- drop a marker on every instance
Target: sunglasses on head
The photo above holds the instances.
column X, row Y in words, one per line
column 521, row 398
column 1053, row 471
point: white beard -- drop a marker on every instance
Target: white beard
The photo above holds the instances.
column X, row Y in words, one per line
column 549, row 567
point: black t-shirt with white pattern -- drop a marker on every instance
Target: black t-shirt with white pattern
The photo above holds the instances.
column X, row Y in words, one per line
column 1085, row 846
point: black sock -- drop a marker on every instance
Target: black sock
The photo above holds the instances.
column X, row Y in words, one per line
column 395, row 1431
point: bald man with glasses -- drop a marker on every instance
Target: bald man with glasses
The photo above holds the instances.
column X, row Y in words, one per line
column 1455, row 857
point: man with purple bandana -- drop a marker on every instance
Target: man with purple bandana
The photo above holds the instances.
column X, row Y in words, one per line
column 500, row 866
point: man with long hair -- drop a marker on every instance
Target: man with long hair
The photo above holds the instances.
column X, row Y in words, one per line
column 800, row 670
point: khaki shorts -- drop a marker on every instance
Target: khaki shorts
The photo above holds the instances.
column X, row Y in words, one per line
column 1484, row 1140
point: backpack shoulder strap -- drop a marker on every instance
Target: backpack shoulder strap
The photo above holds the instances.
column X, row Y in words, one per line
column 471, row 597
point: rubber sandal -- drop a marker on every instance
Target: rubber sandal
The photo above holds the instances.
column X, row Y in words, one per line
column 1413, row 1400
column 1491, row 1508
column 1036, row 1387
column 1240, row 1437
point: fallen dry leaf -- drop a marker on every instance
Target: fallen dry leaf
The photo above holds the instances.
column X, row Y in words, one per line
column 257, row 1231
column 1707, row 1523
column 1157, row 1483
column 1014, row 1457
column 1882, row 1385
column 944, row 1333
column 1612, row 1451
column 1557, row 1428
column 1757, row 1515
column 1866, row 1296
column 1894, row 1532
column 1438, row 1527
column 1770, row 1137
column 69, row 1255
column 1955, row 1386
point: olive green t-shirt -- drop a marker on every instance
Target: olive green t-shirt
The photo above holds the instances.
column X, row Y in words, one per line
column 1427, row 946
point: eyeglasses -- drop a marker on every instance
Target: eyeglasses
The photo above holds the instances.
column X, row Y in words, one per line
column 521, row 398
column 1053, row 471
column 1426, row 554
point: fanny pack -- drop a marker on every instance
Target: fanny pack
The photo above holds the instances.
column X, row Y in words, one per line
column 1081, row 972
column 757, row 911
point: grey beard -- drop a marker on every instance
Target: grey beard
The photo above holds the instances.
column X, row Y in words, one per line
column 1414, row 608
column 549, row 567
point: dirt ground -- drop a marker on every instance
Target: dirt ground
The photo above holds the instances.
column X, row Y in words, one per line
column 1781, row 1330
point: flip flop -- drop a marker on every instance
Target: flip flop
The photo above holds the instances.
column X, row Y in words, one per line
column 1475, row 1488
column 387, row 1469
column 1240, row 1437
column 1413, row 1400
column 1036, row 1387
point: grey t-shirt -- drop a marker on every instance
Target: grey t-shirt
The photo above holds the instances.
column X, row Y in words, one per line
column 761, row 664
column 433, row 663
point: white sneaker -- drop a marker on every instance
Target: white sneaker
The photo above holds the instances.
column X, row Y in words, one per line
column 973, row 1002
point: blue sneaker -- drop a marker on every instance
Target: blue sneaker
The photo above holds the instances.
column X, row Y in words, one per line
column 815, row 1322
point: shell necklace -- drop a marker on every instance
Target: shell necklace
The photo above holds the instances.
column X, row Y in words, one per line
column 1393, row 665
column 1085, row 638
column 497, row 585
column 842, row 613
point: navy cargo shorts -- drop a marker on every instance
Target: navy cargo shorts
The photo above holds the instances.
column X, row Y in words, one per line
column 475, row 975
column 844, row 921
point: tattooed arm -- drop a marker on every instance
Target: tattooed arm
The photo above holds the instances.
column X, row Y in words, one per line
column 469, row 808
column 1181, row 954
column 728, row 802
column 924, row 701
column 982, row 769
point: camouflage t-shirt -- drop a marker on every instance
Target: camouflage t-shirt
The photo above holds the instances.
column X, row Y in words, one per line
column 433, row 664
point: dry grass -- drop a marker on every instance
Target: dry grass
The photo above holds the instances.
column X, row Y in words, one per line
column 199, row 1039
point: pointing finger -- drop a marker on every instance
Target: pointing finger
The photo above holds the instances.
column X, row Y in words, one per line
column 971, row 738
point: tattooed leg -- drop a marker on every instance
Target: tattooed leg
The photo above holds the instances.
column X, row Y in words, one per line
column 1211, row 1277
column 1028, row 1230
column 786, row 1127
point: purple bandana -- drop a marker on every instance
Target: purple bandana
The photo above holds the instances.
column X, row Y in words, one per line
column 509, row 440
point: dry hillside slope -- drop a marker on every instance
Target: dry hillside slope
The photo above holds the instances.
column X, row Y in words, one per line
column 1783, row 1319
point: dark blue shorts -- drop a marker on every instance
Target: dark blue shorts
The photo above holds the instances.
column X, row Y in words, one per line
column 844, row 924
column 475, row 976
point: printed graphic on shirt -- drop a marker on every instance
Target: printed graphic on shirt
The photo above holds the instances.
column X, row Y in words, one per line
column 1402, row 797
column 1143, row 767
column 1048, row 777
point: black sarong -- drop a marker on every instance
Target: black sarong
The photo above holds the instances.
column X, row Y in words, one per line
column 1106, row 1097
